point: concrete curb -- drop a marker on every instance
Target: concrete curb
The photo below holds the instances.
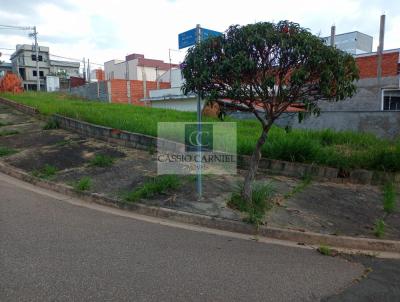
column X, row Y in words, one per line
column 366, row 244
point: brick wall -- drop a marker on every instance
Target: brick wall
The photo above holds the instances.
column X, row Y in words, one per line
column 119, row 91
column 368, row 65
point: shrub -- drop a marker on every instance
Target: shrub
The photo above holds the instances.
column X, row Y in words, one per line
column 52, row 123
column 255, row 210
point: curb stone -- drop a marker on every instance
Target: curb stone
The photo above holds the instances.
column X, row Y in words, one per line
column 366, row 244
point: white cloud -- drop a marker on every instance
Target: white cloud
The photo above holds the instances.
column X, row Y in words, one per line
column 102, row 30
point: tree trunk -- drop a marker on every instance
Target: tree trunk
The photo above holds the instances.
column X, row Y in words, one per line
column 255, row 159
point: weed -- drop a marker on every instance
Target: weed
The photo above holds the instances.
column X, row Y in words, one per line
column 8, row 132
column 47, row 172
column 63, row 143
column 389, row 198
column 101, row 160
column 380, row 227
column 259, row 204
column 52, row 123
column 5, row 151
column 157, row 185
column 3, row 124
column 325, row 250
column 84, row 184
column 306, row 180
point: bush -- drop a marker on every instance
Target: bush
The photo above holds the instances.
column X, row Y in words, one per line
column 52, row 123
column 259, row 204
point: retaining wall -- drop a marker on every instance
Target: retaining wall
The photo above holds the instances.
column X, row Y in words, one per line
column 146, row 142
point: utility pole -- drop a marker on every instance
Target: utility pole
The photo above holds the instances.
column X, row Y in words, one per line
column 37, row 59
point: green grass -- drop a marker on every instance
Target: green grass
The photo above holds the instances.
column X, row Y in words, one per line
column 101, row 161
column 51, row 124
column 46, row 172
column 8, row 132
column 325, row 250
column 5, row 151
column 3, row 124
column 156, row 185
column 259, row 205
column 380, row 228
column 84, row 184
column 389, row 198
column 345, row 150
column 305, row 181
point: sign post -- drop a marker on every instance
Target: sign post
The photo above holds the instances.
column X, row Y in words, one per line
column 199, row 147
column 186, row 39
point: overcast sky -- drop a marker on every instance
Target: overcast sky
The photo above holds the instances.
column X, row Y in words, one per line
column 104, row 30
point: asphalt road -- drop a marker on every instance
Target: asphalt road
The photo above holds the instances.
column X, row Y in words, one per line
column 54, row 250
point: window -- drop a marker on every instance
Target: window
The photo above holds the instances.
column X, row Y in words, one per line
column 391, row 99
column 41, row 74
column 34, row 58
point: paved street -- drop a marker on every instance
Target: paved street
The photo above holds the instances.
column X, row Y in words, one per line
column 54, row 250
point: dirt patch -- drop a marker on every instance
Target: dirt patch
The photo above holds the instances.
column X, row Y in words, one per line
column 335, row 209
column 62, row 157
column 320, row 207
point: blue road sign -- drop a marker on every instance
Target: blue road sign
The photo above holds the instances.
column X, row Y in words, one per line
column 187, row 38
column 206, row 33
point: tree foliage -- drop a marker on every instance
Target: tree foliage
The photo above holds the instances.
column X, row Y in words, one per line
column 269, row 66
column 264, row 68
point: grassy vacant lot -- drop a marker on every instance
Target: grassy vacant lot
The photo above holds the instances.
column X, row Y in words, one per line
column 343, row 150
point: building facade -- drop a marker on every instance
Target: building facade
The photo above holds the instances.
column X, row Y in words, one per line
column 354, row 42
column 23, row 62
column 136, row 67
column 375, row 108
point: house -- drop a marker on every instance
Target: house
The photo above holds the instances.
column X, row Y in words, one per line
column 352, row 42
column 173, row 97
column 375, row 107
column 23, row 62
column 136, row 67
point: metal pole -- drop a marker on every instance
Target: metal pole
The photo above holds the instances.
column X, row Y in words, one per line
column 37, row 60
column 199, row 131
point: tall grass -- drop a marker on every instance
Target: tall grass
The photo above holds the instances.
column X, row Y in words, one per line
column 344, row 150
